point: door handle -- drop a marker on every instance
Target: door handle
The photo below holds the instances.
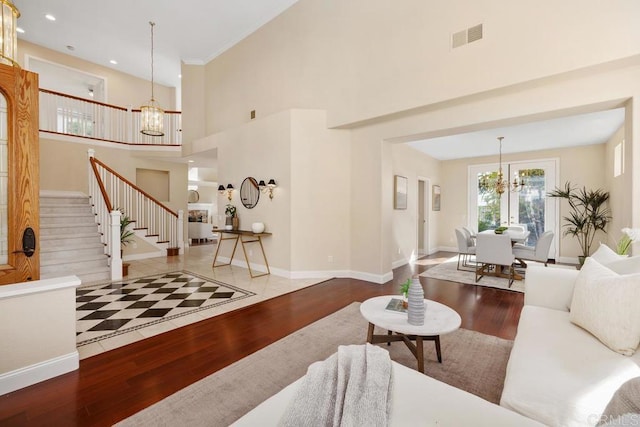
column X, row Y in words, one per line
column 28, row 243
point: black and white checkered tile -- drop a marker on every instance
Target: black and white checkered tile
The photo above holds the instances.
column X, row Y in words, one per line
column 107, row 310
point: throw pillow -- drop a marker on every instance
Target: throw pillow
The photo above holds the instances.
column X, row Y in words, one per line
column 605, row 254
column 630, row 265
column 606, row 304
column 626, row 400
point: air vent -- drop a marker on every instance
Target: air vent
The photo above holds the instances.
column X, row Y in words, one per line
column 466, row 36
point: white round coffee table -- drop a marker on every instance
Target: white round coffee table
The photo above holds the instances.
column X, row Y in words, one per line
column 439, row 319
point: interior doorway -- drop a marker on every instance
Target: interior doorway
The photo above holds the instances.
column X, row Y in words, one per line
column 423, row 216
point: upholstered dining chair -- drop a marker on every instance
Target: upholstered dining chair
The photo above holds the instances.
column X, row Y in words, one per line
column 539, row 252
column 466, row 247
column 493, row 251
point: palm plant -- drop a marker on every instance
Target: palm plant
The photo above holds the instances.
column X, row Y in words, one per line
column 126, row 236
column 589, row 214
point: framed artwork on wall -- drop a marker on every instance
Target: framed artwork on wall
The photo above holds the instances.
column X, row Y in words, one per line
column 401, row 184
column 435, row 197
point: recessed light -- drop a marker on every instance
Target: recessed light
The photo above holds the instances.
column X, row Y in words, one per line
column 191, row 161
column 50, row 17
column 114, row 62
column 20, row 30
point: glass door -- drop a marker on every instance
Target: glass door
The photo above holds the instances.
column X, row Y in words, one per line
column 526, row 205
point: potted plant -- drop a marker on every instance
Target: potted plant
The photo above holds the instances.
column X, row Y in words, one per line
column 404, row 290
column 231, row 221
column 588, row 214
column 126, row 236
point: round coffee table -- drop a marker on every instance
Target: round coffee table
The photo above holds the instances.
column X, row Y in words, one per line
column 439, row 319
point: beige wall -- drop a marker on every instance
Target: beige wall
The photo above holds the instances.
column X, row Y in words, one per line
column 123, row 90
column 413, row 164
column 366, row 59
column 619, row 187
column 363, row 59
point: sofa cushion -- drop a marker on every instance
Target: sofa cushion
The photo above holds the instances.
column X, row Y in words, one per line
column 558, row 373
column 606, row 304
column 627, row 265
column 605, row 254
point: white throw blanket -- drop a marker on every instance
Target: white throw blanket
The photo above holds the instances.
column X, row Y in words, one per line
column 351, row 388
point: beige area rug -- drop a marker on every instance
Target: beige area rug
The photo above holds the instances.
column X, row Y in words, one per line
column 448, row 271
column 471, row 361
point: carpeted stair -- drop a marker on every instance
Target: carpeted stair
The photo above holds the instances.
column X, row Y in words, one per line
column 69, row 238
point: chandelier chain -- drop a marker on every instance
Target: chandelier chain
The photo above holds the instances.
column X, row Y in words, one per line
column 152, row 24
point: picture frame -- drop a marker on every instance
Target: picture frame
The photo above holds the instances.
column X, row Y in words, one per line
column 401, row 186
column 435, row 197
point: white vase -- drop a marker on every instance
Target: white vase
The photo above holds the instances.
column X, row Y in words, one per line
column 228, row 227
column 257, row 227
column 415, row 311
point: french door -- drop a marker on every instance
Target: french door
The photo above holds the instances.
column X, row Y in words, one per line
column 526, row 205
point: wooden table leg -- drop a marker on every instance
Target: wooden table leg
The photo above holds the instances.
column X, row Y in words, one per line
column 389, row 333
column 370, row 333
column 420, row 354
column 438, row 352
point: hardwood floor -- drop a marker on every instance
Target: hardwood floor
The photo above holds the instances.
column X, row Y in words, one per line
column 114, row 385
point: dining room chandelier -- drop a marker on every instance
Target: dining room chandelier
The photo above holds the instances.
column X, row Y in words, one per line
column 498, row 183
column 151, row 115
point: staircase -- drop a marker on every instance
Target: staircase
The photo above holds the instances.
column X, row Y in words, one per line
column 69, row 238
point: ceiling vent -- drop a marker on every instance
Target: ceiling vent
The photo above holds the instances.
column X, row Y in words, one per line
column 466, row 36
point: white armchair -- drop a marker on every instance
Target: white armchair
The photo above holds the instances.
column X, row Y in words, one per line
column 539, row 252
column 466, row 247
column 493, row 251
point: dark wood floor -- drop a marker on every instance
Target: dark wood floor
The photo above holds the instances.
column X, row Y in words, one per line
column 116, row 384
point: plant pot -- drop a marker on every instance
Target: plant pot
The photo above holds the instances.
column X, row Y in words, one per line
column 125, row 269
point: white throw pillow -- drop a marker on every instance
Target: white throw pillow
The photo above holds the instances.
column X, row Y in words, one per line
column 630, row 265
column 605, row 254
column 607, row 305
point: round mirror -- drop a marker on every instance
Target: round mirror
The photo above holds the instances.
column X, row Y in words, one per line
column 194, row 196
column 249, row 193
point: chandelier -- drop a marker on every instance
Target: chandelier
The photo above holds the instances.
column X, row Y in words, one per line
column 151, row 115
column 498, row 183
column 8, row 36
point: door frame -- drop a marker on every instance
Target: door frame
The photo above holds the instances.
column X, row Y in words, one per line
column 427, row 217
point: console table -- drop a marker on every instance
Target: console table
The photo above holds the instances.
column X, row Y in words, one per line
column 244, row 236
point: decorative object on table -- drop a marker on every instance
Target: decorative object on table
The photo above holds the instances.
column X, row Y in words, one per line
column 396, row 305
column 495, row 181
column 231, row 220
column 401, row 184
column 415, row 299
column 588, row 214
column 629, row 236
column 404, row 290
column 500, row 230
column 268, row 187
column 249, row 193
column 257, row 227
column 435, row 198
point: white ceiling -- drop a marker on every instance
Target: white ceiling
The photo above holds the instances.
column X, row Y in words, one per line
column 583, row 129
column 193, row 31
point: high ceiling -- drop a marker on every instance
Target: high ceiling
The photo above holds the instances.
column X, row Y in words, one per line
column 193, row 31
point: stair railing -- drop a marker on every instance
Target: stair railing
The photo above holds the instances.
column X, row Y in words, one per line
column 109, row 191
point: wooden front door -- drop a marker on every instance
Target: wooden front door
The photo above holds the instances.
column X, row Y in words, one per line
column 19, row 176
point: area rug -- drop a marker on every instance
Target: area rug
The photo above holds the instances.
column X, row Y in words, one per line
column 448, row 270
column 471, row 361
column 107, row 310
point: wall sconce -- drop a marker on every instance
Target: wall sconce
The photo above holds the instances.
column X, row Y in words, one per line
column 268, row 187
column 228, row 190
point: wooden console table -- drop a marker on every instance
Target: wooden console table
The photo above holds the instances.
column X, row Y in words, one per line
column 244, row 236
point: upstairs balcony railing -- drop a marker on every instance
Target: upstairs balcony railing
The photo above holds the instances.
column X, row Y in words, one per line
column 69, row 115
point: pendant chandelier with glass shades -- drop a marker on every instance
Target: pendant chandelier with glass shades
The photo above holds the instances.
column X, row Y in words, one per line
column 151, row 115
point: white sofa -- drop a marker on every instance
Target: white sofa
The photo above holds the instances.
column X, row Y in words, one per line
column 558, row 373
column 416, row 399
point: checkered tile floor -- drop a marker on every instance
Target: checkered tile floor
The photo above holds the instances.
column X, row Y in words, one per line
column 107, row 310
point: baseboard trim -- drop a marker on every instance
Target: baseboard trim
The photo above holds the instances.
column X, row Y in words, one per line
column 29, row 375
column 567, row 260
column 447, row 249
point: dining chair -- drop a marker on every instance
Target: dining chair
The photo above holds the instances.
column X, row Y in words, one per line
column 493, row 252
column 466, row 247
column 539, row 252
